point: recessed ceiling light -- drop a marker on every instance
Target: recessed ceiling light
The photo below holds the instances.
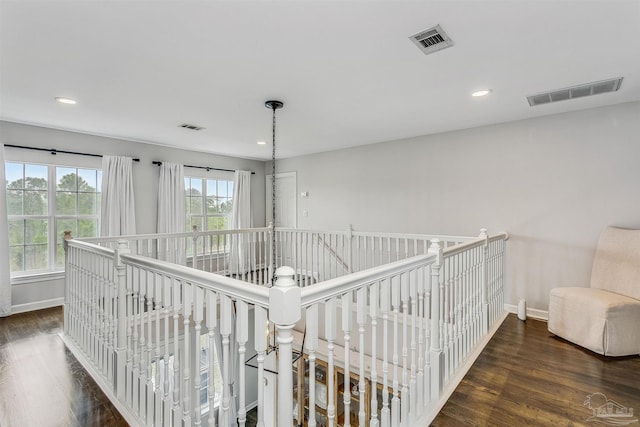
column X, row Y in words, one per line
column 262, row 143
column 482, row 92
column 66, row 100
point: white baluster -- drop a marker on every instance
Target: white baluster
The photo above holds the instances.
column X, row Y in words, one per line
column 137, row 276
column 459, row 309
column 330, row 332
column 130, row 316
column 436, row 372
column 254, row 257
column 225, row 330
column 187, row 297
column 485, row 279
column 159, row 309
column 312, row 346
column 148, row 398
column 447, row 315
column 478, row 285
column 427, row 320
column 362, row 319
column 198, row 313
column 111, row 327
column 468, row 302
column 404, row 295
column 395, row 303
column 373, row 313
column 385, row 415
column 212, row 321
column 413, row 383
column 102, row 314
column 260, row 343
column 167, row 312
column 142, row 342
column 177, row 360
column 242, row 330
column 346, row 329
column 421, row 400
column 92, row 302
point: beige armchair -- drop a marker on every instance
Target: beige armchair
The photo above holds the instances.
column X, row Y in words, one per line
column 605, row 318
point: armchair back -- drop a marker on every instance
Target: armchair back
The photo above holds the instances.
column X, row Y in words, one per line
column 616, row 266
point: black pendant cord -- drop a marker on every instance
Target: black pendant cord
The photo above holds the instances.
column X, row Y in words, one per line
column 273, row 198
column 273, row 105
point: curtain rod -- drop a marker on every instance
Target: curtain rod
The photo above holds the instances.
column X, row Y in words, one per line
column 53, row 151
column 207, row 168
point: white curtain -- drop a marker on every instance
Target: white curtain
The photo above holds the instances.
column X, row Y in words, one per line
column 240, row 256
column 171, row 211
column 5, row 282
column 118, row 214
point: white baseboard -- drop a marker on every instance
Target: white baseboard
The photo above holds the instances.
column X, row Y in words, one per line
column 38, row 305
column 531, row 312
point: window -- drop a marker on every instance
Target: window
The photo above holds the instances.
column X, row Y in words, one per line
column 42, row 202
column 208, row 204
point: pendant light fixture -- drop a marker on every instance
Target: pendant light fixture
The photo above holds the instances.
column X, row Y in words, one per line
column 273, row 105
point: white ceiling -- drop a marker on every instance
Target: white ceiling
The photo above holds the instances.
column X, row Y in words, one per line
column 346, row 70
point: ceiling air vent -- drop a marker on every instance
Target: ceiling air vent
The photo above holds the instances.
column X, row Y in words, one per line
column 190, row 126
column 573, row 92
column 431, row 40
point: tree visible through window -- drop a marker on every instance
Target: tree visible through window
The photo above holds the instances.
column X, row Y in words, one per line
column 42, row 202
column 208, row 203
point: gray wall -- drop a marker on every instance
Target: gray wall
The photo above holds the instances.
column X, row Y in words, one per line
column 552, row 182
column 145, row 177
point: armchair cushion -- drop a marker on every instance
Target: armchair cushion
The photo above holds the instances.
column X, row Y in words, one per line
column 604, row 322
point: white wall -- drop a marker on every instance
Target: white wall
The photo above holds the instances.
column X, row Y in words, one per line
column 29, row 294
column 553, row 183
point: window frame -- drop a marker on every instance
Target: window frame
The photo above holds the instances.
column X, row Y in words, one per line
column 204, row 216
column 53, row 234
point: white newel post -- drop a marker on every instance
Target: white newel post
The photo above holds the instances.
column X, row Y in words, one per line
column 485, row 279
column 437, row 362
column 284, row 312
column 121, row 339
column 65, row 244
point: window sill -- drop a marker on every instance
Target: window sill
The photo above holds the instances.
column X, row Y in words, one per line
column 37, row 277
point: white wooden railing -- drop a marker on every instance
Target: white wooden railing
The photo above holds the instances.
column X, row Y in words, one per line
column 317, row 256
column 405, row 319
column 245, row 254
column 314, row 255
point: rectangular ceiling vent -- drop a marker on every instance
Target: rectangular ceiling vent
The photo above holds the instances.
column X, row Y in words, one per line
column 190, row 126
column 573, row 92
column 431, row 40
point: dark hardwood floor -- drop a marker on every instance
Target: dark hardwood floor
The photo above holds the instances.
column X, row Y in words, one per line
column 41, row 382
column 528, row 377
column 524, row 377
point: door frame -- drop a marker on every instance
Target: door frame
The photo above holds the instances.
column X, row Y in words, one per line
column 268, row 195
